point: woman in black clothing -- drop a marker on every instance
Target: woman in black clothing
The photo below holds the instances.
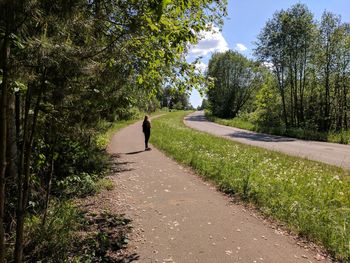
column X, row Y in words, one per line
column 146, row 128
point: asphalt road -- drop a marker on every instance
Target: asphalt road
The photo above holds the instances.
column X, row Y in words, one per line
column 330, row 153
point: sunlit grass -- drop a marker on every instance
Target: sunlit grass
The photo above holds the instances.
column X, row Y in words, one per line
column 311, row 198
column 235, row 122
column 109, row 128
column 103, row 138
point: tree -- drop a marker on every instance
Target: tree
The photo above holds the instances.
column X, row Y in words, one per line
column 235, row 78
column 330, row 55
column 205, row 105
column 65, row 65
column 286, row 43
column 175, row 99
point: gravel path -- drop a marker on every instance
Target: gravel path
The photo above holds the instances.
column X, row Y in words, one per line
column 331, row 153
column 177, row 217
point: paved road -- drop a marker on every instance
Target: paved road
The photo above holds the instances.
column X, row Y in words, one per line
column 179, row 218
column 331, row 153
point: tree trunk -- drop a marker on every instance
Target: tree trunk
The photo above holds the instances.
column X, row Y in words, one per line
column 20, row 210
column 327, row 91
column 12, row 157
column 280, row 77
column 48, row 185
column 5, row 54
column 25, row 176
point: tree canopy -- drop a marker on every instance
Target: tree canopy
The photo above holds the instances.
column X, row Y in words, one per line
column 235, row 78
column 68, row 64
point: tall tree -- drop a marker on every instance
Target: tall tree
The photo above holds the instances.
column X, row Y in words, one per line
column 327, row 43
column 286, row 43
column 271, row 51
column 235, row 78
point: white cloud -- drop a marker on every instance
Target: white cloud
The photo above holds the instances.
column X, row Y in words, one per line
column 202, row 67
column 240, row 47
column 211, row 41
column 269, row 65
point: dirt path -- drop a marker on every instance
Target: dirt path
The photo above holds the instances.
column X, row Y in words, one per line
column 179, row 218
column 331, row 153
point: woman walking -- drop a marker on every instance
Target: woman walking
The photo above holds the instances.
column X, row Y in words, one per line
column 146, row 128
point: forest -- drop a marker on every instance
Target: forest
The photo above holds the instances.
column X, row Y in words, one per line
column 70, row 68
column 297, row 83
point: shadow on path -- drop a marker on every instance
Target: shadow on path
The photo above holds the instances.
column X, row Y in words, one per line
column 131, row 153
column 118, row 167
column 259, row 137
column 130, row 258
column 196, row 118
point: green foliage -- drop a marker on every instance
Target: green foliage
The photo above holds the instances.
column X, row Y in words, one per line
column 51, row 242
column 78, row 168
column 205, row 105
column 235, row 122
column 311, row 198
column 308, row 60
column 235, row 78
column 104, row 184
column 103, row 138
column 267, row 108
column 249, row 122
column 342, row 137
column 174, row 99
column 68, row 67
column 70, row 235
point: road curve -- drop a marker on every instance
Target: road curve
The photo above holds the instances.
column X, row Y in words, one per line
column 330, row 153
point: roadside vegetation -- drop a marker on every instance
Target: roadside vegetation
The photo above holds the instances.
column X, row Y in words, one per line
column 310, row 198
column 297, row 84
column 245, row 121
column 68, row 233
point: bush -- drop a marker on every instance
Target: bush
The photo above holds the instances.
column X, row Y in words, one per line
column 70, row 235
column 50, row 242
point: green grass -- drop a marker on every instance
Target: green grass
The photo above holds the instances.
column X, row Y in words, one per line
column 103, row 138
column 73, row 235
column 236, row 122
column 335, row 137
column 104, row 184
column 311, row 198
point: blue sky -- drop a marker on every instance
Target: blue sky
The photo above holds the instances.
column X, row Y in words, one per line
column 245, row 20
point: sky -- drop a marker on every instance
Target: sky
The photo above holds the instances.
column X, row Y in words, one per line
column 246, row 19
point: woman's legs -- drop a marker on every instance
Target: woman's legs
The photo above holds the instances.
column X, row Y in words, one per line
column 147, row 135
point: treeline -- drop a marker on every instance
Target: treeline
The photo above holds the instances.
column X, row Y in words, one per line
column 66, row 67
column 305, row 66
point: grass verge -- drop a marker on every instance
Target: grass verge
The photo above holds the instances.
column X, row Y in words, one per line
column 311, row 198
column 103, row 138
